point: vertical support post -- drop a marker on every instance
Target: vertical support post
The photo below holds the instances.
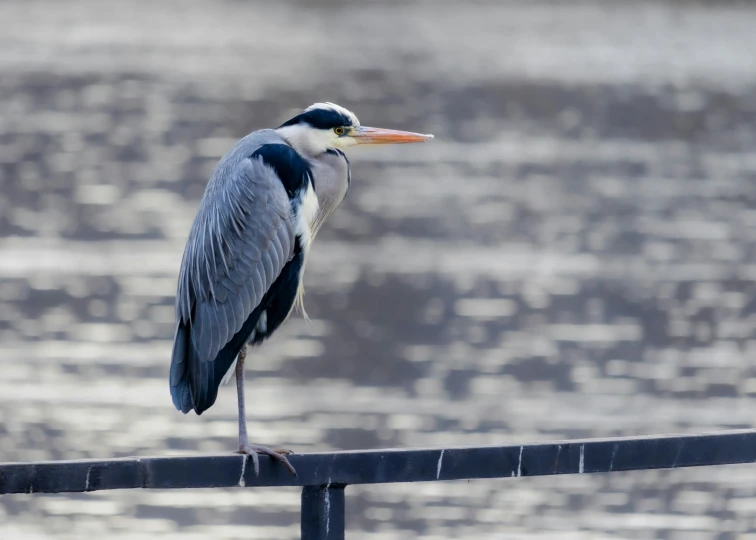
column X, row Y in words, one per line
column 323, row 512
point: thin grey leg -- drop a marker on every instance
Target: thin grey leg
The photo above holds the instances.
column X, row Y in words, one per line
column 244, row 445
column 243, row 439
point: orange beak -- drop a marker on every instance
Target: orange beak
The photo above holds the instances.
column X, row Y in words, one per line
column 370, row 135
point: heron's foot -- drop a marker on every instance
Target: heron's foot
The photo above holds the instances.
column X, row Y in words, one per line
column 279, row 454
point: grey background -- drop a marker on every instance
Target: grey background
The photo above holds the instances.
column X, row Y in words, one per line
column 573, row 256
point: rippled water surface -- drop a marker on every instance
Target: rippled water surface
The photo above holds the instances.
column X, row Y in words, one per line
column 573, row 256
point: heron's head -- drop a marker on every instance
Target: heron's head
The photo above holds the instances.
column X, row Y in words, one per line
column 326, row 126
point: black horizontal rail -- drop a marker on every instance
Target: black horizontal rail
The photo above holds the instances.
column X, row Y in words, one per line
column 384, row 466
column 324, row 476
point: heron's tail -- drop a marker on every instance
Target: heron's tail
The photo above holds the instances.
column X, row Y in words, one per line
column 194, row 381
column 180, row 390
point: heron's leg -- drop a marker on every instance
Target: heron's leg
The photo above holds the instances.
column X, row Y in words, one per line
column 244, row 446
column 240, row 395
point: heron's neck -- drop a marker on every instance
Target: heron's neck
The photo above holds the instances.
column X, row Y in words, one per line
column 331, row 177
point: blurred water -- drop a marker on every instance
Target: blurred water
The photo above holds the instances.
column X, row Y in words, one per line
column 574, row 255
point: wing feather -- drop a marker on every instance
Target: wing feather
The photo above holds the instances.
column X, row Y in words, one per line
column 267, row 265
column 246, row 295
column 241, row 239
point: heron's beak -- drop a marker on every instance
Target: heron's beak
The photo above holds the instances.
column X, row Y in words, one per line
column 370, row 135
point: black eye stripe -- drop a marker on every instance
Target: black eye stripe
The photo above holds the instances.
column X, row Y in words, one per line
column 321, row 119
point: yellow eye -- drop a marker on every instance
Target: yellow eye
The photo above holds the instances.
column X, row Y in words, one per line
column 339, row 130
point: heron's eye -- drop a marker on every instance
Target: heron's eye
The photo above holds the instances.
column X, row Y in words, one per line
column 339, row 131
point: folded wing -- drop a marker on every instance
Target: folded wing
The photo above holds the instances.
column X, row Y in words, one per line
column 241, row 240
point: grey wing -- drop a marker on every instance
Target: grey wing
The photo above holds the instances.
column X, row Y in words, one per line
column 241, row 239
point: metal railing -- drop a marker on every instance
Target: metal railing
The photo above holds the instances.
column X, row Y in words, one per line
column 324, row 476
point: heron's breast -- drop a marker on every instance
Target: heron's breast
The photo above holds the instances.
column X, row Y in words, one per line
column 307, row 216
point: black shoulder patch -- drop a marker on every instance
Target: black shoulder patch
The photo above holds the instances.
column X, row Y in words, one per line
column 291, row 168
column 320, row 119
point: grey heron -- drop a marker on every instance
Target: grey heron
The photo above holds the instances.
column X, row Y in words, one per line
column 241, row 272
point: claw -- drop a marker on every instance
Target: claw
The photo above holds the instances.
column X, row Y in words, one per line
column 279, row 454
